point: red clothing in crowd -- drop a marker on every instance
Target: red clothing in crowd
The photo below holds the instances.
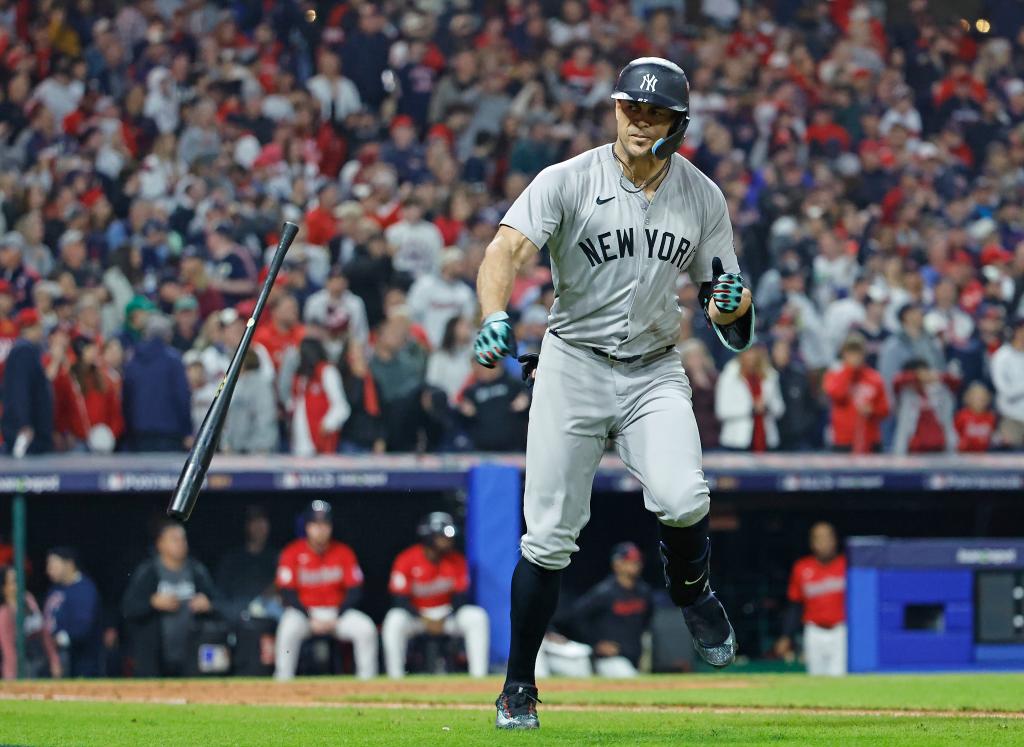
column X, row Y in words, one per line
column 8, row 334
column 826, row 133
column 847, row 388
column 975, row 429
column 428, row 584
column 277, row 340
column 759, row 438
column 821, row 589
column 450, row 228
column 103, row 406
column 70, row 416
column 321, row 226
column 310, row 393
column 319, row 580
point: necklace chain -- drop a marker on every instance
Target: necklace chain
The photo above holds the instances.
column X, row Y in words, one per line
column 643, row 186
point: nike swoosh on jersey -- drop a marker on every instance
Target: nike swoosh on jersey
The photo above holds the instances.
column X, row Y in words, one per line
column 696, row 580
column 606, row 199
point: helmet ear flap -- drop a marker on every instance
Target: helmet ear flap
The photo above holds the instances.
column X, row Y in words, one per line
column 666, row 146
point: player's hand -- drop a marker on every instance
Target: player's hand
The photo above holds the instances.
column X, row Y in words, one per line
column 521, row 403
column 529, row 362
column 784, row 648
column 729, row 298
column 200, row 604
column 322, row 627
column 164, row 602
column 494, row 340
column 433, row 627
column 606, row 648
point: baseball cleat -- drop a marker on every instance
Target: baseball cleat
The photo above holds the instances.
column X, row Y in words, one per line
column 517, row 708
column 713, row 636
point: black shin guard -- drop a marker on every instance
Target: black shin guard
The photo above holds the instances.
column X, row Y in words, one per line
column 686, row 556
column 534, row 599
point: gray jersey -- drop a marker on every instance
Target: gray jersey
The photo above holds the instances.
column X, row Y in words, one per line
column 615, row 257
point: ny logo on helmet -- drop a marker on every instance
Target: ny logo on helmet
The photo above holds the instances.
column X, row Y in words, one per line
column 648, row 83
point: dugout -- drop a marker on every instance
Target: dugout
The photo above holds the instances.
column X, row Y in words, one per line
column 762, row 508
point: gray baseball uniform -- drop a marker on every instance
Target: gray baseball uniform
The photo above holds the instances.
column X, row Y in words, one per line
column 615, row 260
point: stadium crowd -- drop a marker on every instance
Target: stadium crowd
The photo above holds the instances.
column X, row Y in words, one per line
column 149, row 152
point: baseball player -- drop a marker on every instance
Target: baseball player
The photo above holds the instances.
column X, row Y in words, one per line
column 817, row 588
column 621, row 222
column 321, row 582
column 429, row 582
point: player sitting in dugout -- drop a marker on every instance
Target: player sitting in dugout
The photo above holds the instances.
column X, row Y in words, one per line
column 321, row 583
column 429, row 587
column 608, row 623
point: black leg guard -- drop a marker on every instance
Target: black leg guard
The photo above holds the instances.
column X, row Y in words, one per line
column 686, row 556
column 534, row 599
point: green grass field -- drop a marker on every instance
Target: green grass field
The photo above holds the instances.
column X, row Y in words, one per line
column 676, row 710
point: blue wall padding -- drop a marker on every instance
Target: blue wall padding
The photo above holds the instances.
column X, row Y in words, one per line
column 493, row 529
column 926, row 586
column 924, row 647
column 862, row 615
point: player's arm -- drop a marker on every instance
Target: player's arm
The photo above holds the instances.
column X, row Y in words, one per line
column 287, row 582
column 400, row 588
column 531, row 220
column 353, row 586
column 505, row 255
column 727, row 303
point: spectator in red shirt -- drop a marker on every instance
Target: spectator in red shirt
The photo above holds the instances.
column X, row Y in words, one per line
column 70, row 419
column 101, row 393
column 321, row 225
column 321, row 583
column 817, row 586
column 825, row 137
column 429, row 587
column 859, row 401
column 8, row 329
column 976, row 422
column 283, row 330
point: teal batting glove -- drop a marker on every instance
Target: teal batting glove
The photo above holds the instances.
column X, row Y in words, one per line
column 494, row 340
column 728, row 288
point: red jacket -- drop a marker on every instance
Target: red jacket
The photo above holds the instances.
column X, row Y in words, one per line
column 104, row 405
column 975, row 429
column 309, row 393
column 69, row 412
column 847, row 387
column 277, row 340
column 321, row 226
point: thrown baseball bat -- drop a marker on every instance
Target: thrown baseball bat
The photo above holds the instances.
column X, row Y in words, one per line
column 185, row 495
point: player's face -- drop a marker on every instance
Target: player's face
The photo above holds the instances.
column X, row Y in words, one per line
column 55, row 568
column 318, row 533
column 640, row 126
column 443, row 544
column 823, row 541
column 173, row 544
column 628, row 568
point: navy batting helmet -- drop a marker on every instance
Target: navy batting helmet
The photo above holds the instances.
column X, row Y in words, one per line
column 435, row 524
column 657, row 81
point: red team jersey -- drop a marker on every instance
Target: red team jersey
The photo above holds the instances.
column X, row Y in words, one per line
column 426, row 584
column 319, row 580
column 821, row 589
